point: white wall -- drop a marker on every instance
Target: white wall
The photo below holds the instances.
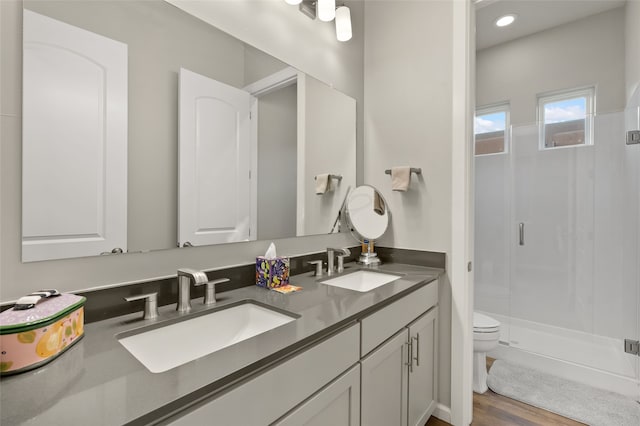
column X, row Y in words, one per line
column 326, row 135
column 586, row 52
column 632, row 39
column 408, row 115
column 408, row 121
column 327, row 58
column 632, row 66
column 258, row 65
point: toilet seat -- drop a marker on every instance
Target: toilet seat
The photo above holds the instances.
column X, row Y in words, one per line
column 484, row 324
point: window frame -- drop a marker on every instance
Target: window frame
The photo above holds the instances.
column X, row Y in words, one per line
column 543, row 99
column 492, row 109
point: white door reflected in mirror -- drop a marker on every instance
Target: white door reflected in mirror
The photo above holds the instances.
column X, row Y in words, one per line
column 215, row 146
column 74, row 143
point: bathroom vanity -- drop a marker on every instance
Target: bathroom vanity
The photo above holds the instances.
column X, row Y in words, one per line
column 306, row 371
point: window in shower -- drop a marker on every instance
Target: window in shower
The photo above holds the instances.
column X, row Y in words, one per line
column 490, row 129
column 566, row 118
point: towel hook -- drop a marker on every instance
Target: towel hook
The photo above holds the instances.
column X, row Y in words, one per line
column 416, row 170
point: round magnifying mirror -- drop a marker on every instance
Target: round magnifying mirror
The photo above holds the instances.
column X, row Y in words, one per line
column 368, row 217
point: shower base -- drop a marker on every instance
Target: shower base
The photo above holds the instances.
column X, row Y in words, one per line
column 594, row 360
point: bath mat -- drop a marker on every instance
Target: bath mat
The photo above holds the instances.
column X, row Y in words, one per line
column 567, row 398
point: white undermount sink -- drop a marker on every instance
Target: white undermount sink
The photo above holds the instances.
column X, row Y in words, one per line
column 362, row 280
column 163, row 348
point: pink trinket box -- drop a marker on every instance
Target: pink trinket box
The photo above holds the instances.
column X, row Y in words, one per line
column 33, row 337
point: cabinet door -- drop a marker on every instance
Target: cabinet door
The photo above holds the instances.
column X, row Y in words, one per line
column 338, row 404
column 422, row 373
column 384, row 383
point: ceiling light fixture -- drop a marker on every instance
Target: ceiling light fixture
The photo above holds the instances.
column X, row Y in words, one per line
column 505, row 20
column 325, row 10
column 343, row 23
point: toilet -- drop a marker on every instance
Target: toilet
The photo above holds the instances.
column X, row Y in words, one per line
column 486, row 332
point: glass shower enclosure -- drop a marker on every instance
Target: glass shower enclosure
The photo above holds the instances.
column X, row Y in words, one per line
column 557, row 250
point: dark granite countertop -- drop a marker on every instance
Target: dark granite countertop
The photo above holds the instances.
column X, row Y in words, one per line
column 99, row 382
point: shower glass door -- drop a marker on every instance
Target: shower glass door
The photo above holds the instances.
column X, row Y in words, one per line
column 574, row 246
column 632, row 165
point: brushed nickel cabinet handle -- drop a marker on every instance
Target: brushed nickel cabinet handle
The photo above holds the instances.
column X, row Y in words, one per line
column 409, row 362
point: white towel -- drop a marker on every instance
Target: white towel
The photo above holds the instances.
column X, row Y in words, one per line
column 400, row 178
column 323, row 183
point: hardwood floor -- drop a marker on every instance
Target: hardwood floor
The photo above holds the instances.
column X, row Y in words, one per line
column 491, row 409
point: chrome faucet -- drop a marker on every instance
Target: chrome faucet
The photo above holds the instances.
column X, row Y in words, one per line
column 330, row 254
column 185, row 276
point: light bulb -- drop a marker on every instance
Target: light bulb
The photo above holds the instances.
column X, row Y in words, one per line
column 326, row 10
column 293, row 2
column 343, row 23
column 505, row 20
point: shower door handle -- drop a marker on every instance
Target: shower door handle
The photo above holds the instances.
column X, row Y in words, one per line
column 521, row 227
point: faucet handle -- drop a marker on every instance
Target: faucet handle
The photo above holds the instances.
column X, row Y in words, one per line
column 318, row 264
column 210, row 290
column 341, row 261
column 150, row 304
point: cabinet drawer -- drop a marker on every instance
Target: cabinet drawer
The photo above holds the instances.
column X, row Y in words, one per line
column 379, row 326
column 268, row 396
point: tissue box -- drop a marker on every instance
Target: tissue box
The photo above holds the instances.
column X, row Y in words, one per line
column 33, row 337
column 271, row 273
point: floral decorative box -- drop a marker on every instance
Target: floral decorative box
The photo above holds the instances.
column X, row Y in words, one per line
column 272, row 273
column 33, row 337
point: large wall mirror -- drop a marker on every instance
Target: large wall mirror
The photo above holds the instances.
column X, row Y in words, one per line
column 145, row 128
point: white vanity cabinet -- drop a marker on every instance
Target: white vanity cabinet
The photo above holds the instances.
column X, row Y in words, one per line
column 265, row 398
column 399, row 380
column 379, row 371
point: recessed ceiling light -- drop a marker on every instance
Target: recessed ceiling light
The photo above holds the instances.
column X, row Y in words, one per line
column 505, row 20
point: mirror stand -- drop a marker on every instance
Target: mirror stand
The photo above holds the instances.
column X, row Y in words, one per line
column 368, row 216
column 369, row 258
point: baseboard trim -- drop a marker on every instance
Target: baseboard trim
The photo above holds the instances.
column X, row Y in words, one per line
column 443, row 413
